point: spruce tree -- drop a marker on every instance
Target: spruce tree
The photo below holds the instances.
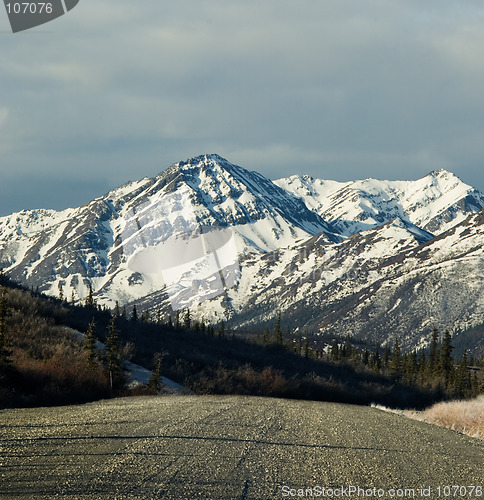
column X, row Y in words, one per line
column 335, row 354
column 434, row 358
column 134, row 314
column 266, row 336
column 422, row 362
column 278, row 330
column 187, row 320
column 155, row 381
column 410, row 367
column 90, row 343
column 90, row 302
column 375, row 362
column 386, row 357
column 5, row 353
column 397, row 361
column 113, row 354
column 298, row 345
column 348, row 349
column 306, row 347
column 463, row 383
column 446, row 361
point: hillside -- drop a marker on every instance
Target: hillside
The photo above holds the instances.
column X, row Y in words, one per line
column 46, row 363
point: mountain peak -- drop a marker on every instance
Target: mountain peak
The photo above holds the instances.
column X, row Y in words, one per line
column 444, row 175
column 205, row 159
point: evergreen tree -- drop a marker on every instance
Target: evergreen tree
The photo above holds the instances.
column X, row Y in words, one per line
column 90, row 343
column 386, row 357
column 410, row 367
column 347, row 350
column 155, row 381
column 187, row 320
column 177, row 320
column 5, row 353
column 170, row 322
column 463, row 383
column 124, row 313
column 61, row 292
column 306, row 347
column 278, row 330
column 134, row 314
column 266, row 336
column 434, row 358
column 422, row 362
column 375, row 362
column 113, row 354
column 475, row 385
column 116, row 309
column 221, row 330
column 446, row 361
column 298, row 345
column 397, row 361
column 335, row 352
column 90, row 302
column 73, row 300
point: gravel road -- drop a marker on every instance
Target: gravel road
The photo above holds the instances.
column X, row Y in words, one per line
column 211, row 447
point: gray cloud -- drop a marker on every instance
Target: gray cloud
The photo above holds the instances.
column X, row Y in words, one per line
column 344, row 90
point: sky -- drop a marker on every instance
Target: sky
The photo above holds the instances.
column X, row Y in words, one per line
column 119, row 90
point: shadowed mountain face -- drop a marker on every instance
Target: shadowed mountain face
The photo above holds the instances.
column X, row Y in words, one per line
column 357, row 258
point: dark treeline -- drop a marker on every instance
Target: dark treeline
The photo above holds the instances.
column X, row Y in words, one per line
column 42, row 363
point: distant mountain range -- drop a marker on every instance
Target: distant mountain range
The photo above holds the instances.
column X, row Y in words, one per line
column 374, row 259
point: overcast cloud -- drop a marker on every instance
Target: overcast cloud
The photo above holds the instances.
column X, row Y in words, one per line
column 343, row 89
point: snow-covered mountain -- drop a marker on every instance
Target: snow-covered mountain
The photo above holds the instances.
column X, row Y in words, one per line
column 368, row 258
column 435, row 203
column 387, row 282
column 88, row 245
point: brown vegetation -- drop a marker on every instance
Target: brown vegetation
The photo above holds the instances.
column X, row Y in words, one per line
column 47, row 364
column 466, row 417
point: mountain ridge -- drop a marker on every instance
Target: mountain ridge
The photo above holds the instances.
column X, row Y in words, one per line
column 352, row 234
column 434, row 202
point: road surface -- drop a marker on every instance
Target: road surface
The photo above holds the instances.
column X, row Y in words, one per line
column 211, row 447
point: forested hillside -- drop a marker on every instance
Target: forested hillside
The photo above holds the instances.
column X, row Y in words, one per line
column 43, row 361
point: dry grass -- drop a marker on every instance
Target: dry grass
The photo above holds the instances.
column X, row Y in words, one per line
column 466, row 417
